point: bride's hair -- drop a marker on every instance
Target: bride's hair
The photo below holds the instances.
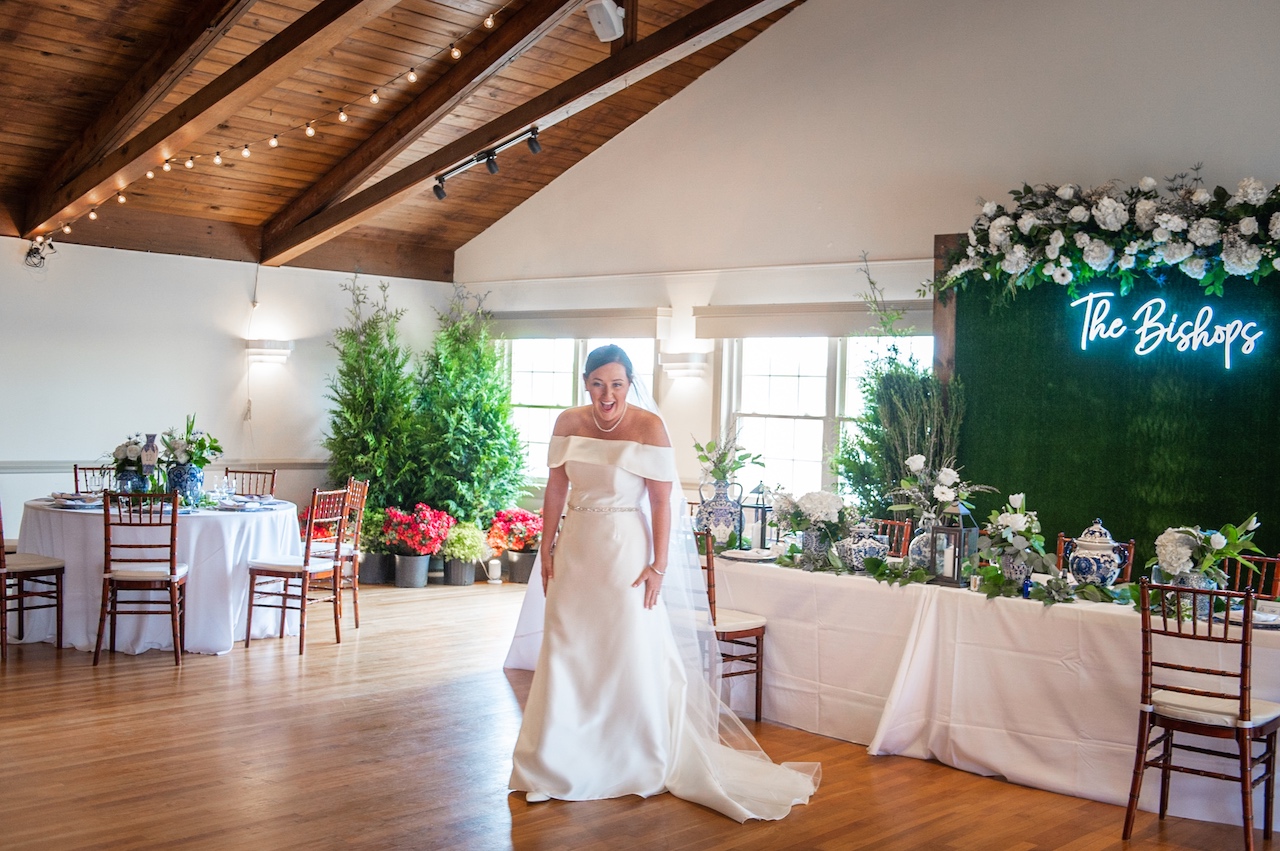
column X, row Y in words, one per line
column 606, row 355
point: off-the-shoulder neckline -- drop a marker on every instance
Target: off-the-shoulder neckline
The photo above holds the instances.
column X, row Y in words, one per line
column 608, row 440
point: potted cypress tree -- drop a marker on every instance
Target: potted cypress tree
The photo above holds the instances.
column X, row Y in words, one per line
column 471, row 457
column 463, row 548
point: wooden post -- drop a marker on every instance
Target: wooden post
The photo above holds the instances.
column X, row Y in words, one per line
column 944, row 311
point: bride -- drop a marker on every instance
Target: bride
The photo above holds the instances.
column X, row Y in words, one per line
column 625, row 694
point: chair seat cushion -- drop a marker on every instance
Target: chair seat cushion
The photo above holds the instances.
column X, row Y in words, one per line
column 292, row 564
column 326, row 550
column 730, row 620
column 1216, row 711
column 10, row 545
column 136, row 573
column 31, row 563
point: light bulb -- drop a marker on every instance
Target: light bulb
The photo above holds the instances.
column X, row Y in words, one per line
column 245, row 153
column 342, row 114
column 120, row 199
column 455, row 51
column 275, row 140
column 190, row 163
column 489, row 22
column 373, row 98
column 66, row 228
column 166, row 166
column 217, row 158
column 412, row 75
column 150, row 174
column 93, row 214
column 39, row 239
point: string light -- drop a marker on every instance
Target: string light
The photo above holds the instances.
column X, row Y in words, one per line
column 150, row 174
column 342, row 114
column 120, row 199
column 489, row 22
column 217, row 158
column 311, row 131
column 412, row 76
column 190, row 163
column 93, row 214
column 166, row 165
column 275, row 140
column 66, row 228
column 455, row 51
column 245, row 153
column 373, row 98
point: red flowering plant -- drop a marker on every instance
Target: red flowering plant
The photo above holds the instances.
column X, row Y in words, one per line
column 515, row 529
column 323, row 530
column 418, row 534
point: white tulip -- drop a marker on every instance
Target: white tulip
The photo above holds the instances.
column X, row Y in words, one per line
column 1253, row 524
column 1217, row 540
column 1016, row 500
column 948, row 476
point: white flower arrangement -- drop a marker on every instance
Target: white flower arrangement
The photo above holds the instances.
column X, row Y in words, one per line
column 1182, row 550
column 1015, row 532
column 821, row 513
column 128, row 454
column 1069, row 235
column 930, row 492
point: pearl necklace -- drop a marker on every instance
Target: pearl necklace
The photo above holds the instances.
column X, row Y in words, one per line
column 612, row 427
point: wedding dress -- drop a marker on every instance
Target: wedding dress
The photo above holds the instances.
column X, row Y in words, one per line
column 623, row 699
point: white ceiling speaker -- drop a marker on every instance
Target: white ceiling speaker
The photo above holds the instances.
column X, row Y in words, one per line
column 606, row 19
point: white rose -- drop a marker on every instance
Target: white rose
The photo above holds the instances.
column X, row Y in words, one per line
column 1016, row 522
column 1110, row 214
column 1051, row 251
column 1160, row 235
column 1026, row 222
column 1063, row 276
column 1057, row 240
column 1126, row 262
column 1249, row 225
column 1171, row 221
column 1082, row 239
column 1201, row 196
column 119, row 453
column 1217, row 540
column 1194, row 267
column 1066, row 191
column 1147, row 184
column 1078, row 213
column 1016, row 499
column 944, row 494
column 133, row 452
column 915, row 463
column 998, row 233
column 948, row 476
column 989, row 208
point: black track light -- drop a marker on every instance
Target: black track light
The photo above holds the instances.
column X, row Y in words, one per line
column 438, row 189
column 534, row 144
column 491, row 163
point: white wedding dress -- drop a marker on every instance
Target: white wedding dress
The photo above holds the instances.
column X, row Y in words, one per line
column 618, row 704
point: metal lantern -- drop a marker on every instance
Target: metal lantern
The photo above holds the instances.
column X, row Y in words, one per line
column 961, row 538
column 761, row 504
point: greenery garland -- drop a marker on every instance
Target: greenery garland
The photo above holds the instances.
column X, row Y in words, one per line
column 1068, row 235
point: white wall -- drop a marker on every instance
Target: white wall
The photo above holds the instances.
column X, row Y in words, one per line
column 858, row 126
column 101, row 343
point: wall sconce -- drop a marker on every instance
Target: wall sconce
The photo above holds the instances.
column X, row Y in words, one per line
column 267, row 351
column 683, row 364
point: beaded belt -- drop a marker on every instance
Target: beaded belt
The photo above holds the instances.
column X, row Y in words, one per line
column 603, row 509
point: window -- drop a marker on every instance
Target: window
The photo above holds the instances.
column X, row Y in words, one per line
column 792, row 396
column 545, row 380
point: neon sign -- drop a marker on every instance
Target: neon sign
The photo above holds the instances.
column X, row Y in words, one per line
column 1153, row 330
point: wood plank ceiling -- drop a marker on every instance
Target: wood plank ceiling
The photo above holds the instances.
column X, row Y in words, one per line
column 98, row 94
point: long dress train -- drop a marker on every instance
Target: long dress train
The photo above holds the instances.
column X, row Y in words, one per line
column 614, row 708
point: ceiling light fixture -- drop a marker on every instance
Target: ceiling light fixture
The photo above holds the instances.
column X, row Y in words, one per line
column 342, row 114
column 534, row 145
column 373, row 98
column 275, row 140
column 217, row 158
column 39, row 249
column 150, row 174
column 491, row 163
column 455, row 51
column 93, row 214
column 438, row 189
column 245, row 152
column 489, row 22
column 120, row 199
column 66, row 228
column 489, row 157
column 190, row 163
column 412, row 76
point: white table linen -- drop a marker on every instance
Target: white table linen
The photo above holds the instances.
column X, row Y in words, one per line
column 1044, row 696
column 216, row 545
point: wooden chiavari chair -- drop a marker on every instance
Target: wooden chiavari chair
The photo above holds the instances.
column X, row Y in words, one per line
column 94, row 479
column 1180, row 695
column 740, row 629
column 349, row 552
column 27, row 577
column 140, row 554
column 306, row 579
column 1265, row 580
column 899, row 533
column 253, row 482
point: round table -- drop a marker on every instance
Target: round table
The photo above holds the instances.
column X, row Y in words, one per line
column 216, row 546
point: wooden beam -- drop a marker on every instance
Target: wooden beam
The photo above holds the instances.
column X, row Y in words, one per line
column 944, row 310
column 313, row 34
column 514, row 37
column 647, row 56
column 372, row 256
column 207, row 23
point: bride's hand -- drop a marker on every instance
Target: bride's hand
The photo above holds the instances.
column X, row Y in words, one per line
column 652, row 580
column 548, row 571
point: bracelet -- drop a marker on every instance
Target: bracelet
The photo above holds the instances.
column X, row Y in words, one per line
column 659, row 572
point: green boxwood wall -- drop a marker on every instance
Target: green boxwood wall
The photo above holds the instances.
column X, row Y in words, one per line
column 1148, row 442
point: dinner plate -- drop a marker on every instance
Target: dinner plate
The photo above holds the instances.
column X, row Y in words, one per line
column 748, row 555
column 1267, row 619
column 77, row 506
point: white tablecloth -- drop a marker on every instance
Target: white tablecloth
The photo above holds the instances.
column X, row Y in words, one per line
column 1045, row 697
column 216, row 545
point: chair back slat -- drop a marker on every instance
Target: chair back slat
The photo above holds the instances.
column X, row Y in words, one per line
column 152, row 521
column 1169, row 614
column 326, row 520
column 94, row 479
column 706, row 543
column 357, row 495
column 898, row 532
column 253, row 482
column 1264, row 580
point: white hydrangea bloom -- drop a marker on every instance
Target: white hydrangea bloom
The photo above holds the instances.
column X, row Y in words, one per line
column 1098, row 255
column 1173, row 552
column 1110, row 214
column 1250, row 191
column 1205, row 232
column 1147, row 184
column 1273, row 228
column 1126, row 261
column 1171, row 222
column 998, row 233
column 1160, row 235
column 1176, row 251
column 1082, row 239
column 989, row 208
column 1239, row 257
column 1194, row 267
column 1144, row 213
column 1026, row 222
column 821, row 506
column 1016, row 260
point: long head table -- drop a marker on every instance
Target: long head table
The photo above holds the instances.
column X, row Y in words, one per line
column 216, row 545
column 1043, row 696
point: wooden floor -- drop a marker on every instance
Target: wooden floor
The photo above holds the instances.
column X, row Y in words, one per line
column 401, row 737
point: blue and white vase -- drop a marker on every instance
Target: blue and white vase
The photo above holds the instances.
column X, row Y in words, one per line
column 721, row 515
column 863, row 544
column 918, row 549
column 188, row 481
column 1192, row 579
column 814, row 548
column 1094, row 557
column 130, row 481
column 1013, row 569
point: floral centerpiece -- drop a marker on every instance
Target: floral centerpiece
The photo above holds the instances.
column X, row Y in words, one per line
column 127, row 457
column 1011, row 540
column 929, row 492
column 1187, row 555
column 420, row 533
column 721, row 460
column 721, row 515
column 1069, row 235
column 515, row 529
column 821, row 518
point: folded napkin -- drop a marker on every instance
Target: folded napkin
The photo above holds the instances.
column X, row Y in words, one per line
column 234, row 505
column 76, row 497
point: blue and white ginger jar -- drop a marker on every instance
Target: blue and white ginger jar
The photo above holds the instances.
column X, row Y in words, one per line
column 863, row 544
column 1093, row 558
column 721, row 515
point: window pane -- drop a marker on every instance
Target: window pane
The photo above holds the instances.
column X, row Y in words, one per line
column 784, row 375
column 535, row 425
column 792, row 450
column 863, row 351
column 542, row 372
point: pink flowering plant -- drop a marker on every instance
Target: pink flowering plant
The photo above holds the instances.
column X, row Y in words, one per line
column 515, row 529
column 419, row 533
